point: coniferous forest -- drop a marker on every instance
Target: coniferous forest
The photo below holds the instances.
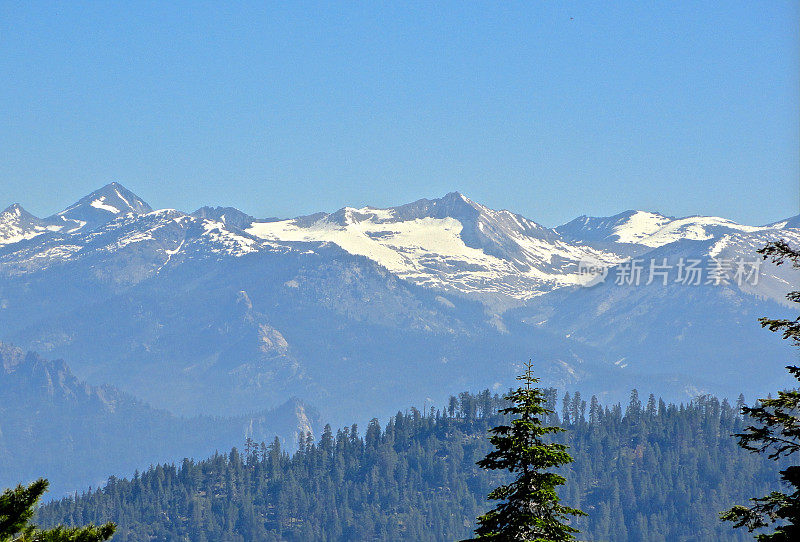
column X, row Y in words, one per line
column 645, row 471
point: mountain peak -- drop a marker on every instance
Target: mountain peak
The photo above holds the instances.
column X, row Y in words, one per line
column 15, row 209
column 17, row 224
column 100, row 207
column 111, row 198
column 626, row 227
column 16, row 213
column 451, row 205
column 230, row 216
column 455, row 196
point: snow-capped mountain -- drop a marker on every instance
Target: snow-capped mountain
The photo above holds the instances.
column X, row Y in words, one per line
column 229, row 216
column 651, row 230
column 647, row 236
column 90, row 212
column 629, row 227
column 17, row 224
column 452, row 244
column 98, row 208
column 216, row 311
column 503, row 259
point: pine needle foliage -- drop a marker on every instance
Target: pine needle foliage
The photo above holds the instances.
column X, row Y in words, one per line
column 17, row 508
column 529, row 508
column 775, row 431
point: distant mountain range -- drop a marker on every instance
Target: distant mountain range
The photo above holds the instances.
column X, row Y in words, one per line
column 217, row 312
column 75, row 434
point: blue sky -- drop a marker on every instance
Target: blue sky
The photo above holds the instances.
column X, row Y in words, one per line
column 551, row 109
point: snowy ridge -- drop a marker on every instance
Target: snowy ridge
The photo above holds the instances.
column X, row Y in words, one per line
column 697, row 228
column 656, row 230
column 451, row 244
column 457, row 245
column 154, row 239
column 218, row 310
column 476, row 250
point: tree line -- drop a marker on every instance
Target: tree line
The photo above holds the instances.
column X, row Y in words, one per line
column 647, row 471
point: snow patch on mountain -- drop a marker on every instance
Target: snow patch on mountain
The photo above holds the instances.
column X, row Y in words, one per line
column 54, row 254
column 16, row 225
column 698, row 228
column 640, row 225
column 653, row 230
column 100, row 204
column 507, row 255
column 401, row 247
column 228, row 242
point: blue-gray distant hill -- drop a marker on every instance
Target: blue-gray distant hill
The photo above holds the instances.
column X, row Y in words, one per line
column 56, row 426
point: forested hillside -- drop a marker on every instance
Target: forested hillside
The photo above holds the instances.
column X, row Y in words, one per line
column 646, row 472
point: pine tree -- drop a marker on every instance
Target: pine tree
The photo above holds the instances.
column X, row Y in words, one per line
column 530, row 508
column 776, row 432
column 16, row 509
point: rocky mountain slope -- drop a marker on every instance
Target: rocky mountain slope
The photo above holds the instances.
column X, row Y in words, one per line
column 216, row 311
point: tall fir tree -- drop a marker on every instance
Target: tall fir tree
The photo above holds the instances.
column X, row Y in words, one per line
column 529, row 508
column 17, row 508
column 776, row 432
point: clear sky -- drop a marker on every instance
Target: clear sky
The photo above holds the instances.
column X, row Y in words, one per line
column 551, row 109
